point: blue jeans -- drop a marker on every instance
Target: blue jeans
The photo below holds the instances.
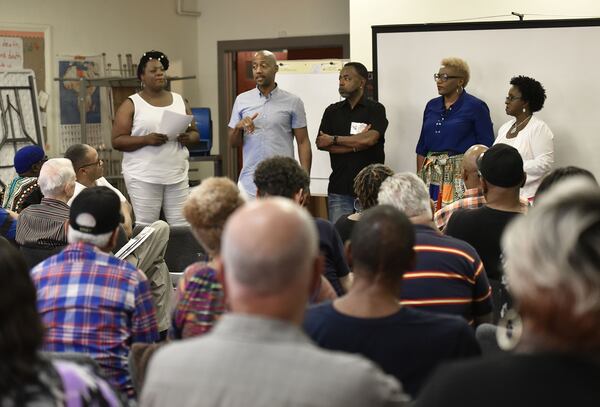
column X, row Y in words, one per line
column 339, row 205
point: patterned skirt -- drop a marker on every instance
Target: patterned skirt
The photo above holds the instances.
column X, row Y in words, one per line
column 442, row 174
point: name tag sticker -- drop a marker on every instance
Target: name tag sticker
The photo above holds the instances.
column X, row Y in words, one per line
column 356, row 127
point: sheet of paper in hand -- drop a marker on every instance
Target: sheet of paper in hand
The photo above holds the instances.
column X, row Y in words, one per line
column 134, row 243
column 173, row 124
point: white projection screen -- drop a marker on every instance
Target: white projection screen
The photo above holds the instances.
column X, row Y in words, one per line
column 564, row 55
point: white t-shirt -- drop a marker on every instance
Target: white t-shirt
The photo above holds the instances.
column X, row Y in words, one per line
column 100, row 182
column 536, row 146
column 166, row 164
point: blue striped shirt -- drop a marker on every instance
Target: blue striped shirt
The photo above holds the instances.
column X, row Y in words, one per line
column 278, row 114
column 448, row 278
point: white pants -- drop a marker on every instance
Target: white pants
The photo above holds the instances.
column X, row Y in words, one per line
column 147, row 199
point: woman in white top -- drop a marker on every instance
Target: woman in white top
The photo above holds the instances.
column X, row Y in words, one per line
column 155, row 168
column 527, row 133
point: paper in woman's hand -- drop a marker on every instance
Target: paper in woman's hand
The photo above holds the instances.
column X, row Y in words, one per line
column 173, row 124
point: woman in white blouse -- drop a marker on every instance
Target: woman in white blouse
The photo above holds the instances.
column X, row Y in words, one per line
column 527, row 133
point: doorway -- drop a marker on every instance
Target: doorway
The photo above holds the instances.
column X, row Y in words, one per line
column 235, row 75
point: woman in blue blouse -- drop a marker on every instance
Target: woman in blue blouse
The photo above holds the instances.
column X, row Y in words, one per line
column 452, row 123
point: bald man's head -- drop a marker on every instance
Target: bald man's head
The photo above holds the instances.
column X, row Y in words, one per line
column 269, row 245
column 469, row 164
column 264, row 68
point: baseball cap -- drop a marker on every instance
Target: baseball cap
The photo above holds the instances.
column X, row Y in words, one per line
column 95, row 210
column 26, row 157
column 501, row 165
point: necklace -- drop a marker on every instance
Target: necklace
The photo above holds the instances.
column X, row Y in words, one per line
column 515, row 127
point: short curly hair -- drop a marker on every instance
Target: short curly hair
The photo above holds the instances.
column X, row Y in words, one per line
column 208, row 207
column 461, row 66
column 367, row 183
column 280, row 176
column 148, row 56
column 531, row 91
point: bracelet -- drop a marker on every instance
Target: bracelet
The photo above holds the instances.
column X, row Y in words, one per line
column 354, row 149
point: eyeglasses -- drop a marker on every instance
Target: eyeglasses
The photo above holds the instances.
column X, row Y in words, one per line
column 512, row 98
column 444, row 77
column 99, row 162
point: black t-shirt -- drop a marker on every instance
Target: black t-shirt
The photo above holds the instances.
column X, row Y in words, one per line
column 408, row 344
column 332, row 248
column 337, row 121
column 482, row 228
column 345, row 226
column 515, row 381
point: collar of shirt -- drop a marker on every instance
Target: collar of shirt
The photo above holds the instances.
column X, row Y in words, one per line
column 426, row 229
column 86, row 250
column 274, row 92
column 362, row 101
column 473, row 192
column 456, row 105
column 54, row 202
column 256, row 328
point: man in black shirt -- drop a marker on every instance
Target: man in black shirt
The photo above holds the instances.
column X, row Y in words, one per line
column 502, row 176
column 353, row 132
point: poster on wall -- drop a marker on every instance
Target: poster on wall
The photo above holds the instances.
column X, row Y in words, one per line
column 11, row 53
column 77, row 68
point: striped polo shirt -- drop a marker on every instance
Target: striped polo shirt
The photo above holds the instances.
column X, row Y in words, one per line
column 448, row 278
column 43, row 225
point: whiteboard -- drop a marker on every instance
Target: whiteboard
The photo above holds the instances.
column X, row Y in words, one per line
column 316, row 83
column 561, row 54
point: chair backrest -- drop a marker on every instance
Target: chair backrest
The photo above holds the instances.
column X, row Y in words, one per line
column 204, row 124
column 183, row 249
column 35, row 255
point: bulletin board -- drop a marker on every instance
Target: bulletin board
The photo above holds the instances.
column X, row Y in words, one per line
column 33, row 54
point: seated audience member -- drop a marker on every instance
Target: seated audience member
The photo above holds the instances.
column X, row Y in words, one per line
column 405, row 342
column 502, row 176
column 199, row 297
column 23, row 190
column 473, row 196
column 553, row 272
column 150, row 256
column 8, row 224
column 257, row 355
column 44, row 225
column 26, row 377
column 448, row 276
column 90, row 301
column 283, row 176
column 560, row 174
column 89, row 170
column 366, row 187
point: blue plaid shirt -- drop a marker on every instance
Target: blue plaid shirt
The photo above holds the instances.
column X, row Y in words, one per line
column 91, row 302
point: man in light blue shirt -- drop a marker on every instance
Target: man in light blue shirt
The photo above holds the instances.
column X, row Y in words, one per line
column 265, row 120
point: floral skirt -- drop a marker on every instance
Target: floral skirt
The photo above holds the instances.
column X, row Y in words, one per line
column 442, row 174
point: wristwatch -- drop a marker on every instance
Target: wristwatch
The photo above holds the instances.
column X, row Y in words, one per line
column 335, row 140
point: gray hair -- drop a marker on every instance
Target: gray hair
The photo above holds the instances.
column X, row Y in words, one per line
column 553, row 257
column 101, row 240
column 279, row 245
column 56, row 173
column 407, row 192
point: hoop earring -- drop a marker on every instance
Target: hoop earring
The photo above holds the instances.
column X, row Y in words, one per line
column 509, row 331
column 357, row 206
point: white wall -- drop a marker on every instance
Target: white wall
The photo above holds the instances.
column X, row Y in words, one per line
column 134, row 26
column 364, row 14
